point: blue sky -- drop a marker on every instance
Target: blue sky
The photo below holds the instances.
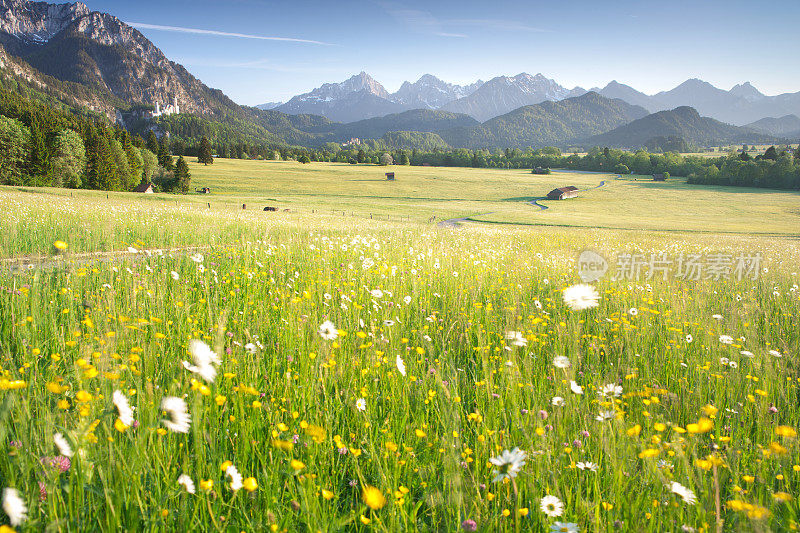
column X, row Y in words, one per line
column 260, row 50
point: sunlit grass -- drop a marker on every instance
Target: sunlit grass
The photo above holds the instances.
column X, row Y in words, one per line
column 713, row 413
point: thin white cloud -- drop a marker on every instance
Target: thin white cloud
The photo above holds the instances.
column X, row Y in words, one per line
column 418, row 21
column 496, row 24
column 215, row 33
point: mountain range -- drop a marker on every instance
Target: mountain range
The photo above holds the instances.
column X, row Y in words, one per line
column 92, row 60
column 741, row 105
column 683, row 123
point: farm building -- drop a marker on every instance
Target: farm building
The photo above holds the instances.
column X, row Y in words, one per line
column 390, row 176
column 562, row 193
column 540, row 170
column 659, row 177
column 145, row 188
column 204, row 190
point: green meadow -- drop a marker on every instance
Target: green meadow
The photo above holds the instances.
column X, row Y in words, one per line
column 221, row 369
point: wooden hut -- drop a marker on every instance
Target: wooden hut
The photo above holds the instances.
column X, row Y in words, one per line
column 144, row 188
column 562, row 193
column 390, row 176
column 659, row 177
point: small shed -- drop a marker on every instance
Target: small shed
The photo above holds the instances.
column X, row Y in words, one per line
column 540, row 170
column 144, row 188
column 390, row 176
column 204, row 190
column 659, row 177
column 562, row 193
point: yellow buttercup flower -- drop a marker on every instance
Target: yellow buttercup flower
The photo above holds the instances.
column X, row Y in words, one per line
column 373, row 497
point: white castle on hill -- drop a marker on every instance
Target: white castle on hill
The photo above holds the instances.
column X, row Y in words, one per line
column 170, row 109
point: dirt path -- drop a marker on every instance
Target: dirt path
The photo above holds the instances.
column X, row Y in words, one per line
column 16, row 265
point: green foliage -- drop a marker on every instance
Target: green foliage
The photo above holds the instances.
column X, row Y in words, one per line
column 164, row 155
column 182, row 176
column 69, row 159
column 152, row 142
column 204, row 154
column 13, row 150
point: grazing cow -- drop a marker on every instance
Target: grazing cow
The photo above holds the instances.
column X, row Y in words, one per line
column 271, row 209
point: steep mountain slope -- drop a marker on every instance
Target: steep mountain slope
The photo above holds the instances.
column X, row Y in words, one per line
column 547, row 123
column 355, row 99
column 503, row 94
column 429, row 92
column 72, row 43
column 683, row 123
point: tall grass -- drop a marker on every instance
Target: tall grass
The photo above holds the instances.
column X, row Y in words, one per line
column 283, row 407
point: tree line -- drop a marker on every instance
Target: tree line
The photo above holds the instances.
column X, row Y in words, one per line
column 45, row 146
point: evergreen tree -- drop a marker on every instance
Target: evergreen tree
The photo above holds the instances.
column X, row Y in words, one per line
column 164, row 157
column 92, row 175
column 771, row 153
column 107, row 165
column 204, row 154
column 362, row 156
column 152, row 142
column 39, row 155
column 797, row 153
column 182, row 176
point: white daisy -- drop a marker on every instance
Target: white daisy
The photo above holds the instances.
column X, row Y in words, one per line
column 204, row 360
column 687, row 495
column 123, row 408
column 175, row 275
column 609, row 390
column 775, row 353
column 63, row 445
column 328, row 331
column 557, row 401
column 606, row 416
column 401, row 365
column 551, row 506
column 407, row 300
column 575, row 388
column 561, row 361
column 588, row 466
column 179, row 419
column 580, row 297
column 633, row 311
column 251, row 348
column 187, row 483
column 14, row 506
column 726, row 339
column 689, row 339
column 361, row 404
column 508, row 464
column 516, row 338
column 236, row 478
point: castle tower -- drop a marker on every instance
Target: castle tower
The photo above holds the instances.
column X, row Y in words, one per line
column 158, row 110
column 175, row 104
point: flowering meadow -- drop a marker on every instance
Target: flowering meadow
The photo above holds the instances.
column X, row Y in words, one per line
column 349, row 375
